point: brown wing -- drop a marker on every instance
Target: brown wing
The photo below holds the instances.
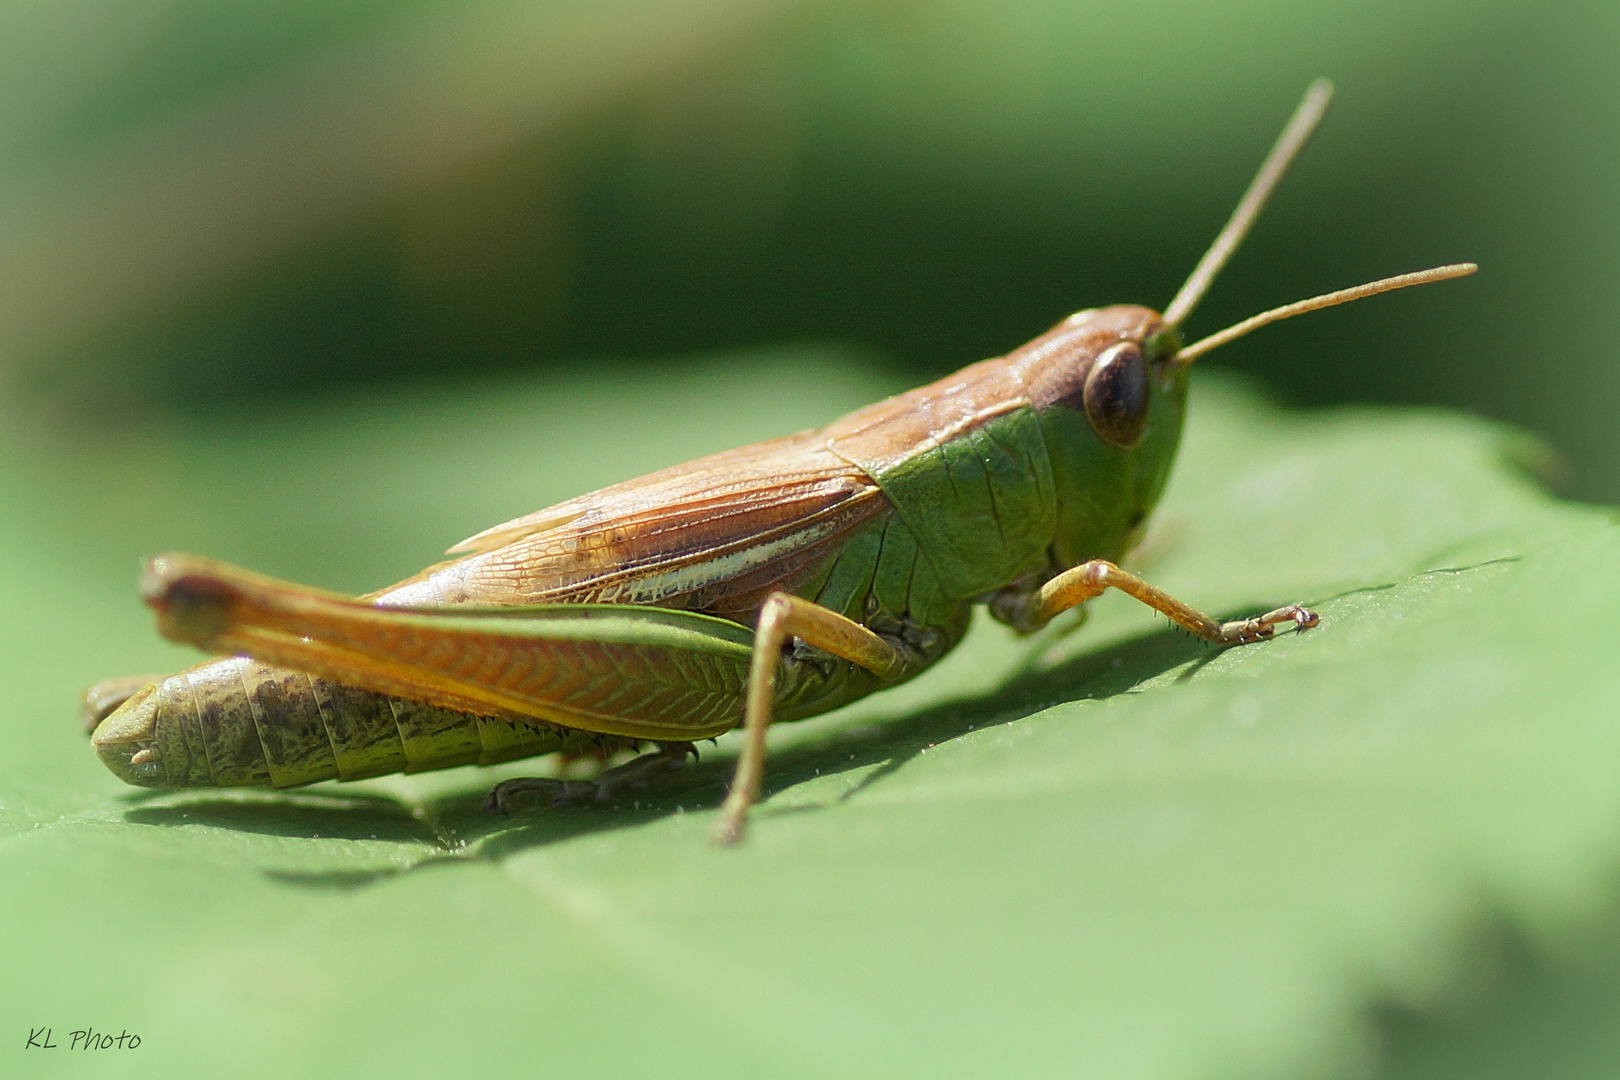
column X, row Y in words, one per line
column 717, row 534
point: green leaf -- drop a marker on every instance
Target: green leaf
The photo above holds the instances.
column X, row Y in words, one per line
column 1109, row 852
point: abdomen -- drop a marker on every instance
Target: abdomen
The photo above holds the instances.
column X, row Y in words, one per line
column 238, row 722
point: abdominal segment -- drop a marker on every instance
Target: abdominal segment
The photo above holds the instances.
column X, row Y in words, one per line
column 239, row 722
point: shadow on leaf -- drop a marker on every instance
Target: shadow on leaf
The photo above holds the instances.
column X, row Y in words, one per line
column 350, row 816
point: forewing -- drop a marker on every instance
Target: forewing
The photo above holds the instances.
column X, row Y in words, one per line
column 716, row 534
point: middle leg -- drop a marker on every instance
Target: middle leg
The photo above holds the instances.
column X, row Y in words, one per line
column 785, row 616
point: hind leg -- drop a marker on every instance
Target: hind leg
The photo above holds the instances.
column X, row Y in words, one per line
column 631, row 776
column 98, row 701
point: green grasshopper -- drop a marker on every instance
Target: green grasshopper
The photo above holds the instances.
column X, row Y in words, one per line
column 773, row 582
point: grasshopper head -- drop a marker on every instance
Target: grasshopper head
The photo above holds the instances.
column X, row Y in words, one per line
column 1111, row 398
column 1110, row 384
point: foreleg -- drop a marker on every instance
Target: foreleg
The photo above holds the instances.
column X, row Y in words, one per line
column 1081, row 583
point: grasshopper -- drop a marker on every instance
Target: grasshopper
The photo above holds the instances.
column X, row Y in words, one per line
column 772, row 582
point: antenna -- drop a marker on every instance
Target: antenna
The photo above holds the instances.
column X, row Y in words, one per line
column 1287, row 148
column 1300, row 307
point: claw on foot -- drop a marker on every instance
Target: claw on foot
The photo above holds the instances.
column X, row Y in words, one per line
column 729, row 829
column 500, row 799
column 1245, row 631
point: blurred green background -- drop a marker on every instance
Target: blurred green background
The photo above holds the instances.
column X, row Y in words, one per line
column 301, row 284
column 203, row 200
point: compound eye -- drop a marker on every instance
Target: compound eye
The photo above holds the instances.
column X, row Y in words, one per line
column 1116, row 395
